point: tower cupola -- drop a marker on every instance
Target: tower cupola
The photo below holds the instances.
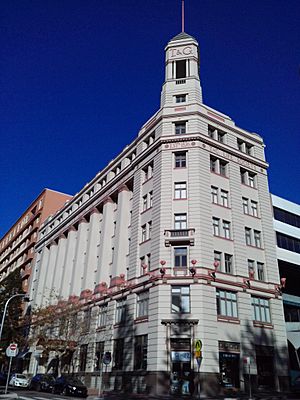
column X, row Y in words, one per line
column 181, row 71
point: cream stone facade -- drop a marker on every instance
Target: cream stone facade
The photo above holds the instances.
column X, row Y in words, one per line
column 173, row 243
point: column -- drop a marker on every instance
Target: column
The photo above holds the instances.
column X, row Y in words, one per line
column 89, row 275
column 103, row 270
column 46, row 290
column 37, row 280
column 65, row 286
column 80, row 253
column 121, row 241
column 58, row 271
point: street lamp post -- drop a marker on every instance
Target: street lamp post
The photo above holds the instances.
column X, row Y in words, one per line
column 5, row 309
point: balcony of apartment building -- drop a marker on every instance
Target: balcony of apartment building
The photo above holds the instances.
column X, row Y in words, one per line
column 180, row 236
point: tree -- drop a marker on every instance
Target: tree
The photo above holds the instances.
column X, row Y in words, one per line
column 55, row 332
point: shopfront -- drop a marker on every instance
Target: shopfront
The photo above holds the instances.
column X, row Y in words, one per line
column 229, row 363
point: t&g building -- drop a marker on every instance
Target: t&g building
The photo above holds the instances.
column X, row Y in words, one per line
column 170, row 252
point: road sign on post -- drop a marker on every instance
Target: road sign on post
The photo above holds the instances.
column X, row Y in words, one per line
column 12, row 350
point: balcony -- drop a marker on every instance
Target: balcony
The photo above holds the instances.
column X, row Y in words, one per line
column 179, row 236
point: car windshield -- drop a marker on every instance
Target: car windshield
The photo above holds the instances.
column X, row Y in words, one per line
column 19, row 376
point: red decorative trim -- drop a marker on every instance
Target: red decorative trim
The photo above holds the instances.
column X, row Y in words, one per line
column 72, row 229
column 260, row 324
column 94, row 211
column 254, row 247
column 123, row 188
column 107, row 199
column 139, row 320
column 215, row 116
column 231, row 320
column 221, row 237
column 145, row 241
column 147, row 209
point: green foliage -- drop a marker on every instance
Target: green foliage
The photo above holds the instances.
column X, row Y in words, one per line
column 11, row 330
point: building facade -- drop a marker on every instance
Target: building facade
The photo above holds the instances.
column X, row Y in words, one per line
column 17, row 245
column 287, row 228
column 170, row 245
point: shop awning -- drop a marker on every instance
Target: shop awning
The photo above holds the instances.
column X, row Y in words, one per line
column 294, row 338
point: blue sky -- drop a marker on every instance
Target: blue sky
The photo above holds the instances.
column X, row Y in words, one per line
column 79, row 78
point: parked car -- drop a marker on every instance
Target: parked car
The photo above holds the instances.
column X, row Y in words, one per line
column 42, row 382
column 69, row 385
column 19, row 380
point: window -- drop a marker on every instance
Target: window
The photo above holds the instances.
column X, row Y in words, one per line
column 150, row 199
column 254, row 208
column 99, row 352
column 214, row 194
column 213, row 164
column 145, row 203
column 218, row 166
column 248, row 236
column 228, row 263
column 260, row 271
column 226, row 303
column 251, row 268
column 251, row 179
column 224, row 198
column 180, row 98
column 180, row 221
column 218, row 258
column 148, row 172
column 257, row 239
column 180, row 299
column 260, row 309
column 118, row 354
column 244, row 177
column 140, row 352
column 180, row 190
column 226, row 229
column 102, row 315
column 288, row 242
column 216, row 134
column 245, row 147
column 142, row 304
column 87, row 319
column 83, row 357
column 223, row 168
column 144, row 233
column 149, row 229
column 249, row 149
column 286, row 217
column 180, row 160
column 180, row 69
column 216, row 226
column 149, row 261
column 180, row 257
column 211, row 131
column 180, row 128
column 220, row 136
column 245, row 205
column 121, row 311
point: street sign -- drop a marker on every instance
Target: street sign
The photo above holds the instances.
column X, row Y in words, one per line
column 198, row 345
column 12, row 350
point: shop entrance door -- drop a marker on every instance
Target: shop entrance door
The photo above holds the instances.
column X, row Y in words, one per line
column 229, row 369
column 181, row 374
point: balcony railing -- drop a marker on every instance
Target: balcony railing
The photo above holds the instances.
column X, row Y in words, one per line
column 179, row 236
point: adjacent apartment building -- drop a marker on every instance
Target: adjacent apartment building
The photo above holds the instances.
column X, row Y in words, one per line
column 287, row 228
column 170, row 251
column 17, row 245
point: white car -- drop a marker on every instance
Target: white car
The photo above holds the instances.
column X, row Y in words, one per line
column 19, row 380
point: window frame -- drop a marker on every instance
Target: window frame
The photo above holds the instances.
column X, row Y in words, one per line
column 177, row 291
column 183, row 257
column 180, row 190
column 227, row 302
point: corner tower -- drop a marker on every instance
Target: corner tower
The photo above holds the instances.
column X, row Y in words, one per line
column 182, row 81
